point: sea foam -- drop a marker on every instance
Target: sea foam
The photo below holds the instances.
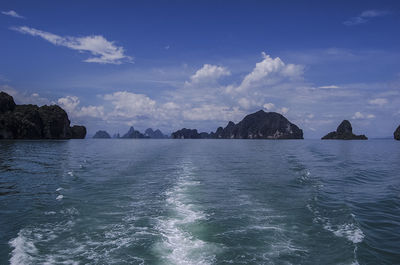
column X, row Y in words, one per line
column 179, row 245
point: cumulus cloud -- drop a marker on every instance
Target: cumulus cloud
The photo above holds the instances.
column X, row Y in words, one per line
column 364, row 17
column 71, row 105
column 378, row 101
column 130, row 105
column 103, row 51
column 12, row 13
column 209, row 73
column 269, row 106
column 268, row 71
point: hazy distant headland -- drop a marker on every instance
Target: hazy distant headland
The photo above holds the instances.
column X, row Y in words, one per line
column 51, row 122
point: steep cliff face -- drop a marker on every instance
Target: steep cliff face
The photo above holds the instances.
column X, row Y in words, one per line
column 33, row 122
column 6, row 102
column 261, row 125
column 55, row 122
column 344, row 132
column 396, row 133
column 78, row 132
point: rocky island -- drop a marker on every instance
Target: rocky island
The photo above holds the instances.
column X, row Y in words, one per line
column 157, row 134
column 34, row 122
column 396, row 134
column 344, row 132
column 101, row 135
column 258, row 125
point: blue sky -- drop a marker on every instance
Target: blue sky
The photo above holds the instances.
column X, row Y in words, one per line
column 199, row 64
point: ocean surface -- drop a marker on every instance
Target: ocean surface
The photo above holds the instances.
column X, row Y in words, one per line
column 200, row 202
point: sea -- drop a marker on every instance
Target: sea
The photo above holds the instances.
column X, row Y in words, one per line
column 148, row 201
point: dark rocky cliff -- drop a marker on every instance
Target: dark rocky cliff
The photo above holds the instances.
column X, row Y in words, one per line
column 33, row 122
column 344, row 132
column 396, row 133
column 258, row 125
column 186, row 134
column 261, row 125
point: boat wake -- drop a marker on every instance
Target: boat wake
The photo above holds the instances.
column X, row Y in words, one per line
column 180, row 244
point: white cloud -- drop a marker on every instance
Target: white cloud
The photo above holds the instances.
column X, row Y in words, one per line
column 269, row 106
column 329, row 87
column 70, row 105
column 283, row 110
column 92, row 111
column 268, row 71
column 378, row 101
column 209, row 73
column 364, row 17
column 359, row 116
column 374, row 13
column 130, row 105
column 12, row 13
column 103, row 51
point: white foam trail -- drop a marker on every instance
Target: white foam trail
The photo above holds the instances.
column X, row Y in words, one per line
column 351, row 232
column 179, row 245
column 23, row 250
column 59, row 189
column 59, row 197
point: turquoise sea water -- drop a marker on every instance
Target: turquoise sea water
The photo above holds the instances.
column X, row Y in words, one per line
column 200, row 202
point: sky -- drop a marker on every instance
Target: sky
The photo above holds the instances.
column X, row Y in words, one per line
column 200, row 64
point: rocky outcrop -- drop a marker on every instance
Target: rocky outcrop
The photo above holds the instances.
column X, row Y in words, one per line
column 55, row 122
column 396, row 133
column 344, row 132
column 132, row 133
column 6, row 102
column 33, row 122
column 78, row 132
column 102, row 135
column 186, row 134
column 260, row 125
column 157, row 134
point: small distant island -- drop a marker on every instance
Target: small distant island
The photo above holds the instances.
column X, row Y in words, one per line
column 102, row 135
column 34, row 122
column 133, row 134
column 51, row 122
column 258, row 125
column 344, row 132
